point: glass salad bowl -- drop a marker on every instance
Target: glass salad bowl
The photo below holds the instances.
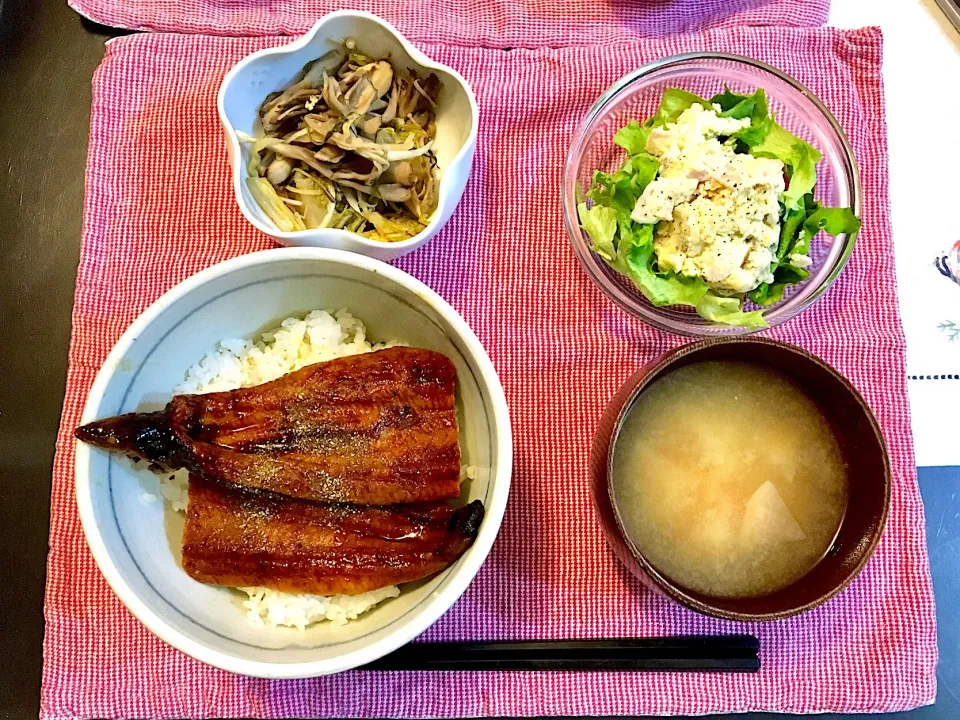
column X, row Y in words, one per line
column 637, row 97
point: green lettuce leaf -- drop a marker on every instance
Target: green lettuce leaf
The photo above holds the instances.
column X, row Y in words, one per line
column 611, row 192
column 835, row 221
column 636, row 256
column 632, row 138
column 600, row 223
column 727, row 310
column 799, row 227
column 767, row 293
column 746, row 106
column 728, row 101
column 787, row 274
column 799, row 157
column 790, row 225
column 641, row 170
column 801, row 171
column 622, row 189
column 784, row 276
column 673, row 103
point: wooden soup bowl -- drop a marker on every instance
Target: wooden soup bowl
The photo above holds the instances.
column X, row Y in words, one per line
column 860, row 441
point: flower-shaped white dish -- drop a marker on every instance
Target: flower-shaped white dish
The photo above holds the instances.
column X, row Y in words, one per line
column 135, row 539
column 249, row 82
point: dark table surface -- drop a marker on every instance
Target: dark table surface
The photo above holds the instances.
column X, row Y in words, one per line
column 48, row 57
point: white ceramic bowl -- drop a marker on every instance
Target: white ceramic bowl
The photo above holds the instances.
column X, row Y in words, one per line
column 136, row 540
column 250, row 81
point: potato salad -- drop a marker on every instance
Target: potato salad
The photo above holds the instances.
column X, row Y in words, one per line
column 713, row 207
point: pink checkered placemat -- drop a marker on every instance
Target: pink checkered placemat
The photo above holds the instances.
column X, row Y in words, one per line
column 561, row 350
column 472, row 23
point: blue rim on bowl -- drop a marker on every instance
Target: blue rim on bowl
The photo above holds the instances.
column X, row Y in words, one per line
column 145, row 574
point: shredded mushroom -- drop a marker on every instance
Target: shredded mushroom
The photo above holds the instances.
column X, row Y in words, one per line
column 349, row 146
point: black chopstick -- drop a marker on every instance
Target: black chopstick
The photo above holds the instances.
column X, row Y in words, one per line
column 707, row 653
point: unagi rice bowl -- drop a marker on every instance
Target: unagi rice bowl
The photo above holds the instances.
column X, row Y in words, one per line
column 236, row 363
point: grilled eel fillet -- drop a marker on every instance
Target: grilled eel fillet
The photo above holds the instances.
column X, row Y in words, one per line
column 241, row 538
column 373, row 429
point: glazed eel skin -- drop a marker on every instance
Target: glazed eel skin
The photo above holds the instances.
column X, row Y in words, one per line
column 378, row 428
column 240, row 538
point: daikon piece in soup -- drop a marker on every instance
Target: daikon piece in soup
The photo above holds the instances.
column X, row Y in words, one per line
column 728, row 479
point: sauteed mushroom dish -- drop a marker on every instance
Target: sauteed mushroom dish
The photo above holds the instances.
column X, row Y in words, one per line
column 349, row 146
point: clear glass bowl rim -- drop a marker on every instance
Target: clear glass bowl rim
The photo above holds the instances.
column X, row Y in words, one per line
column 569, row 189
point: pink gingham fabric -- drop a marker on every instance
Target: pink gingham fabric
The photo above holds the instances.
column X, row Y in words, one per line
column 159, row 208
column 472, row 23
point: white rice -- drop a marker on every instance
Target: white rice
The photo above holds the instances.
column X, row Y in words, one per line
column 269, row 608
column 242, row 363
column 295, row 343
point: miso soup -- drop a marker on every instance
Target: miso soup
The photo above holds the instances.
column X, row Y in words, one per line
column 728, row 478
